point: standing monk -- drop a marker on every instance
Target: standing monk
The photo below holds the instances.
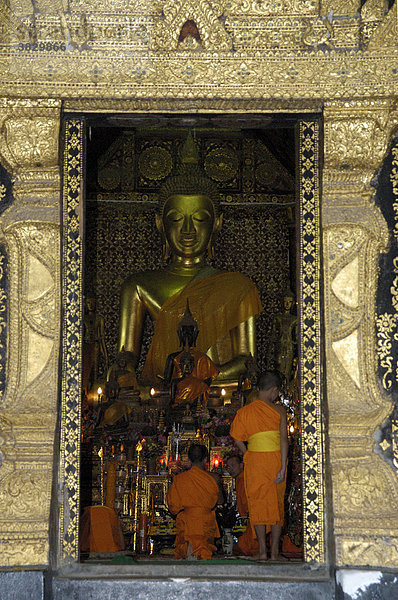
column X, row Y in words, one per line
column 193, row 496
column 263, row 425
column 246, row 543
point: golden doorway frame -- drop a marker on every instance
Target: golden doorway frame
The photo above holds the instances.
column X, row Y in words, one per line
column 310, row 347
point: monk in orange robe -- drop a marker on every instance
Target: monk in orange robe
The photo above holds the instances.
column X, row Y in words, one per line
column 100, row 530
column 246, row 544
column 263, row 425
column 193, row 496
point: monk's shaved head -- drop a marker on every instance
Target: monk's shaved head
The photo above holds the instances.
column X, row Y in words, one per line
column 269, row 379
column 197, row 453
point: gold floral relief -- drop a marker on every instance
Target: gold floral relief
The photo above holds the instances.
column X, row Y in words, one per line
column 354, row 235
column 29, row 402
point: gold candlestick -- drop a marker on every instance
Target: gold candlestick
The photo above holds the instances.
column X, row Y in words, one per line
column 101, row 455
column 137, row 482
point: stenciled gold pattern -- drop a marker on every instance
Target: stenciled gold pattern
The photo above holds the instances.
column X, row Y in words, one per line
column 72, row 299
column 387, row 322
column 310, row 348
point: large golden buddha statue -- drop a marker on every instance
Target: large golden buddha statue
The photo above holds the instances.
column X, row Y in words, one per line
column 224, row 303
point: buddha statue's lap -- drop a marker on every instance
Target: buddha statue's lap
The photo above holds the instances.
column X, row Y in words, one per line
column 223, row 303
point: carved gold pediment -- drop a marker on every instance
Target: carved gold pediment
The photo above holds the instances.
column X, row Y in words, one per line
column 204, row 18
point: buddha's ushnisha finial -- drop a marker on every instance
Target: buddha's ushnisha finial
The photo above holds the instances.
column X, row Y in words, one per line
column 189, row 151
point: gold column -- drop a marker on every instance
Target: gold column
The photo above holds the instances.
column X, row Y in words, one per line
column 364, row 487
column 30, row 229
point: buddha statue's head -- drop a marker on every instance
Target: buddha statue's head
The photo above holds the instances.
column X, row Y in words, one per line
column 288, row 301
column 189, row 214
column 187, row 363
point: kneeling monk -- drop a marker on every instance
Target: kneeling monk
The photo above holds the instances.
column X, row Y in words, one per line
column 193, row 496
column 263, row 425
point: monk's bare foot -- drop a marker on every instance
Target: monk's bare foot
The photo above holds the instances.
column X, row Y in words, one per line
column 190, row 554
column 259, row 557
column 278, row 558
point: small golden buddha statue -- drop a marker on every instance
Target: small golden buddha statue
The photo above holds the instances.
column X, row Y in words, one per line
column 285, row 332
column 121, row 390
column 93, row 344
column 224, row 303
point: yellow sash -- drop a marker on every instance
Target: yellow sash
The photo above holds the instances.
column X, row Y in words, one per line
column 265, row 441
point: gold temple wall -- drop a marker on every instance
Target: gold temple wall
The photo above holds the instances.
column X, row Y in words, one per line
column 346, row 65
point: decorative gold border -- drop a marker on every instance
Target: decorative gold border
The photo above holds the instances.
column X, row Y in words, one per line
column 310, row 335
column 310, row 347
column 72, row 302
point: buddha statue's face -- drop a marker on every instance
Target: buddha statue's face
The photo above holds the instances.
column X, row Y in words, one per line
column 188, row 223
column 288, row 303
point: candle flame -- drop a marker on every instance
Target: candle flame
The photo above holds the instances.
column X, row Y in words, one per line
column 223, row 392
column 152, row 392
column 99, row 391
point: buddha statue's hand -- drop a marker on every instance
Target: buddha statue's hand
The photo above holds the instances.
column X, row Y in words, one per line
column 231, row 370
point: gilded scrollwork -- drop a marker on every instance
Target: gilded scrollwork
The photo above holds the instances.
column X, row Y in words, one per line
column 386, row 33
column 370, row 550
column 354, row 235
column 30, row 235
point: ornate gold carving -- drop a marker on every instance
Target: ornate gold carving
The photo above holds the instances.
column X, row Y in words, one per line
column 270, row 70
column 29, row 147
column 132, row 46
column 374, row 10
column 340, row 7
column 271, row 8
column 356, row 140
column 319, row 32
column 31, row 143
column 386, row 34
column 354, row 235
column 205, row 14
column 369, row 550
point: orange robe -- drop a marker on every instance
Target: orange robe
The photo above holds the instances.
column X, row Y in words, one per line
column 192, row 496
column 246, row 543
column 218, row 301
column 100, row 530
column 193, row 386
column 265, row 497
